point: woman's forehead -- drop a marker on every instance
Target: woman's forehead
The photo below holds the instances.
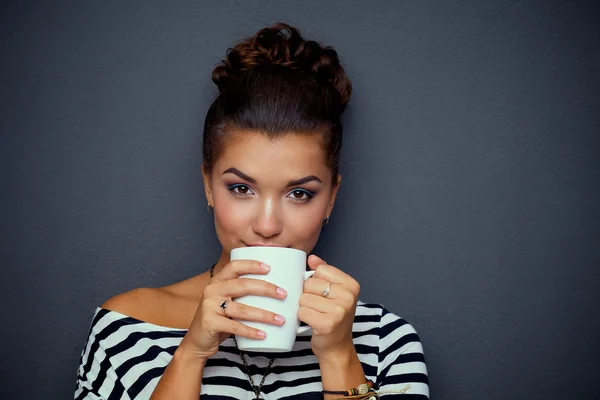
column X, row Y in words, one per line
column 294, row 154
column 291, row 147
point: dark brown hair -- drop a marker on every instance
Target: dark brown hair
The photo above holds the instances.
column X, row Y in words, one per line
column 278, row 83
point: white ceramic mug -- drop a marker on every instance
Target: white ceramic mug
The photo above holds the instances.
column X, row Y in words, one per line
column 288, row 271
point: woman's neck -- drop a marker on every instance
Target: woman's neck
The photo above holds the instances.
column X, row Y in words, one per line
column 223, row 261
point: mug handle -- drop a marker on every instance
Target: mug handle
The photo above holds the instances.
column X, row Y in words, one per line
column 304, row 329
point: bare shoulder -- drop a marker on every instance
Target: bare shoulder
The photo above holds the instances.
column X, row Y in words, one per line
column 171, row 306
column 136, row 303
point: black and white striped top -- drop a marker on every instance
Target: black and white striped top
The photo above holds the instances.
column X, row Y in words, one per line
column 124, row 358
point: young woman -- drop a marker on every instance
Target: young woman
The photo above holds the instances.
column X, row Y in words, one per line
column 271, row 151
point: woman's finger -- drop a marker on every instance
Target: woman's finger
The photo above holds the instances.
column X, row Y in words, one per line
column 242, row 287
column 318, row 286
column 316, row 302
column 236, row 268
column 314, row 261
column 225, row 325
column 326, row 305
column 322, row 305
column 337, row 293
column 332, row 274
column 244, row 312
column 326, row 271
column 316, row 321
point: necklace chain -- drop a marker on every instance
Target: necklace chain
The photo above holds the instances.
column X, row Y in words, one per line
column 255, row 389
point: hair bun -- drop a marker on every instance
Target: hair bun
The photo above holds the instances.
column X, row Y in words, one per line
column 283, row 45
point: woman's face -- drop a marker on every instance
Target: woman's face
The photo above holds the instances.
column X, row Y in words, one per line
column 273, row 192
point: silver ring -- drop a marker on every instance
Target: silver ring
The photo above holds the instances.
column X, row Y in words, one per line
column 326, row 291
column 224, row 308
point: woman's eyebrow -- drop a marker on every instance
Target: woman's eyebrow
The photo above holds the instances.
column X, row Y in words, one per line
column 239, row 173
column 302, row 181
column 295, row 182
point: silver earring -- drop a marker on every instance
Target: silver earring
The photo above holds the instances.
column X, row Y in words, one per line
column 326, row 220
column 209, row 208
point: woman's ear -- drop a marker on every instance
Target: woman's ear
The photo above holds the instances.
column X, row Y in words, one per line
column 206, row 178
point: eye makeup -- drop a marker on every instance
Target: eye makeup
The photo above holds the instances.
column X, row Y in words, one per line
column 244, row 190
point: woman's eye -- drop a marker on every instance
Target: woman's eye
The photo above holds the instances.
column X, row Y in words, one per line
column 298, row 194
column 301, row 195
column 240, row 189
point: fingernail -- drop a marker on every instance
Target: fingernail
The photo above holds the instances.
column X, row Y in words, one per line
column 261, row 334
column 265, row 267
column 279, row 318
column 281, row 291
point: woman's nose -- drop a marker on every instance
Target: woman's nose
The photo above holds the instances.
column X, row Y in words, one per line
column 267, row 222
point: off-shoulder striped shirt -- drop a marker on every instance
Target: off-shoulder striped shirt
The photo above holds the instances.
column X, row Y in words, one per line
column 124, row 358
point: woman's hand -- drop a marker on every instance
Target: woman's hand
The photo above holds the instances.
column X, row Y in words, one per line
column 211, row 326
column 330, row 317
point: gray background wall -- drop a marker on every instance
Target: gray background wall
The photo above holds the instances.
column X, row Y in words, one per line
column 470, row 203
